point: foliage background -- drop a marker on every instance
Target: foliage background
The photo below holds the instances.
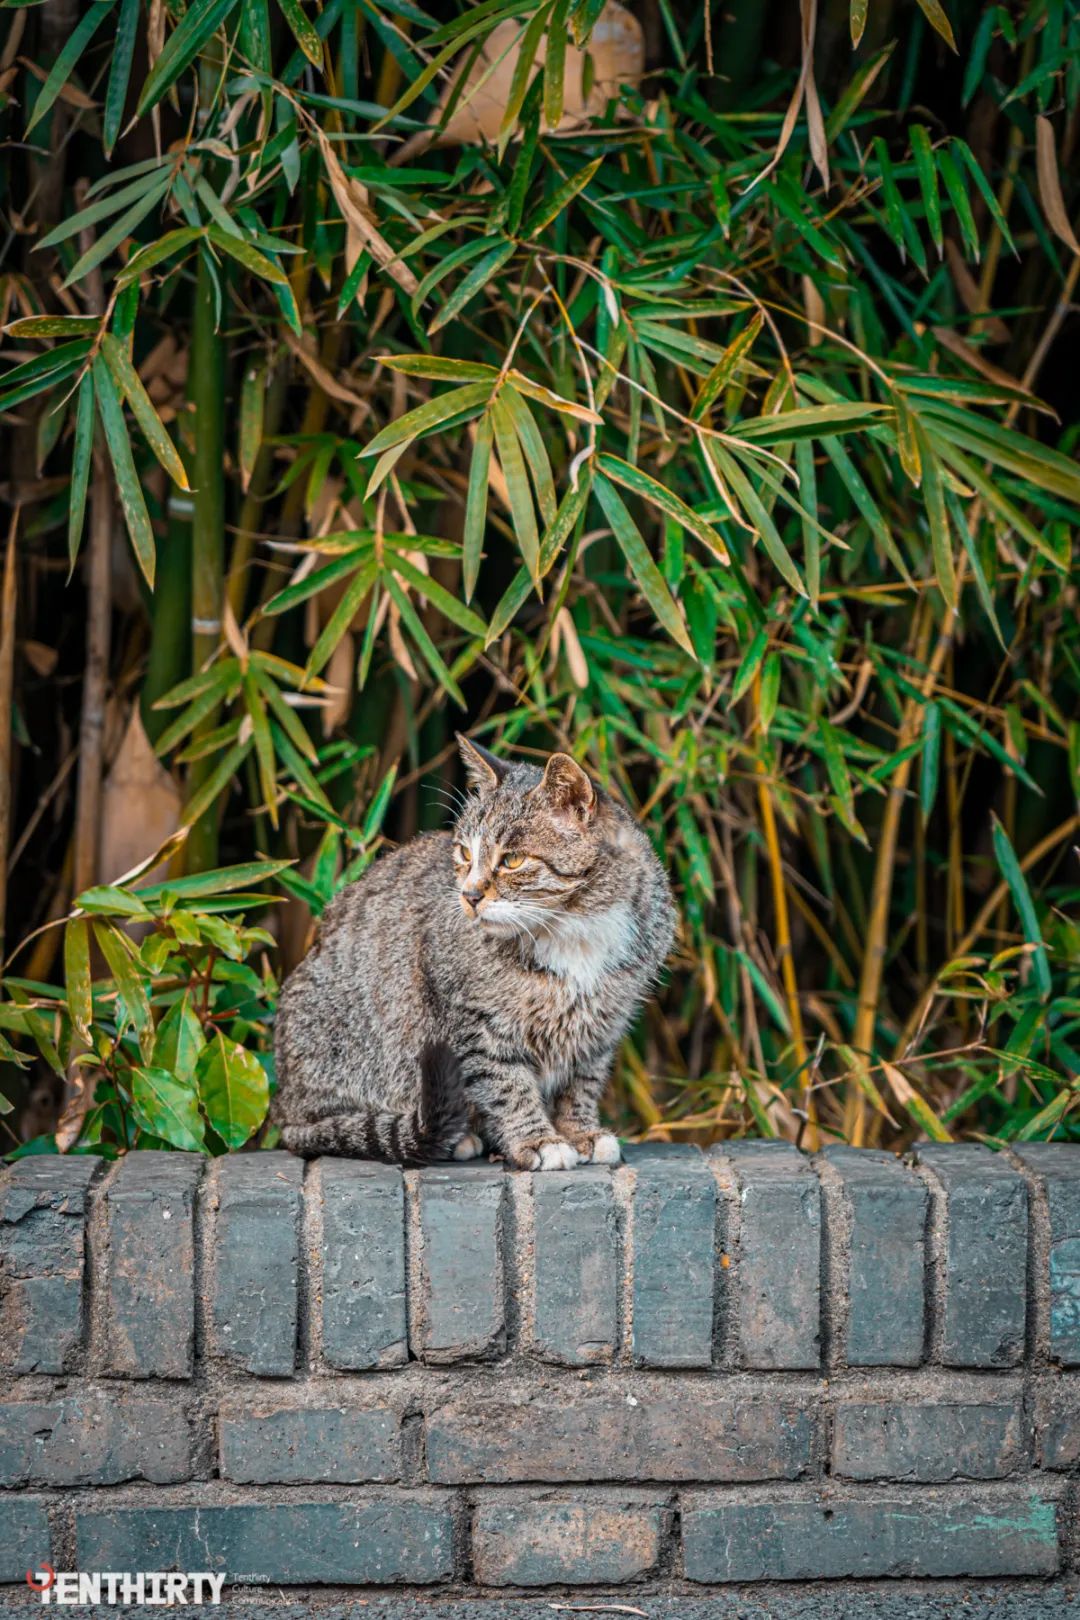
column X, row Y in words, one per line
column 725, row 439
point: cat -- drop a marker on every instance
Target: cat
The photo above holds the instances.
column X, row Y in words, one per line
column 471, row 989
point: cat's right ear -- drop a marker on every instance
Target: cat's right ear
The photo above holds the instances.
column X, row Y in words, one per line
column 484, row 770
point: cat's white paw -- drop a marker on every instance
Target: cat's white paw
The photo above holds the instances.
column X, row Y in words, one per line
column 470, row 1147
column 558, row 1156
column 606, row 1149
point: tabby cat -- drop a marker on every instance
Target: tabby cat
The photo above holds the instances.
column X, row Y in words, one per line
column 470, row 990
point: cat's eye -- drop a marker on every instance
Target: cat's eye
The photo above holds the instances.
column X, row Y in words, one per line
column 512, row 861
column 461, row 855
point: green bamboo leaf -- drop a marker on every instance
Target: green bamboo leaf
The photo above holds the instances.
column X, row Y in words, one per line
column 430, row 588
column 727, row 365
column 264, row 747
column 199, row 23
column 439, row 367
column 931, row 759
column 120, row 230
column 352, row 600
column 755, row 510
column 933, row 491
column 649, row 578
column 50, row 326
column 836, row 765
column 483, row 271
column 233, row 1088
column 130, row 385
column 411, row 619
column 519, row 79
column 302, row 31
column 927, row 173
column 252, row 412
column 127, row 978
column 240, row 249
column 954, row 185
column 808, row 501
column 216, row 783
column 72, row 49
column 935, row 16
column 155, row 252
column 555, row 65
column 1013, row 873
column 287, row 716
column 429, row 415
column 858, row 21
column 749, row 665
column 113, row 202
column 560, row 199
column 168, row 1108
column 316, row 581
column 512, row 463
column 119, row 73
column 132, row 500
column 77, row 974
column 535, row 452
column 985, row 189
column 222, row 880
column 476, row 505
column 81, row 457
column 643, row 484
column 380, row 803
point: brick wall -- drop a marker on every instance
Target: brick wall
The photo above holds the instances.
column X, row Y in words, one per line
column 736, row 1366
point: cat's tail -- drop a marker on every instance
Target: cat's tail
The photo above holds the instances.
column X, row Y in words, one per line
column 426, row 1133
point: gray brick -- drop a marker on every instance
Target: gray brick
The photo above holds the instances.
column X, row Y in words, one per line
column 653, row 1431
column 253, row 1301
column 1057, row 1424
column 364, row 1321
column 299, row 1445
column 674, row 1242
column 151, row 1297
column 986, row 1211
column 776, row 1271
column 930, row 1441
column 43, row 1201
column 384, row 1540
column 25, row 1542
column 602, row 1541
column 886, row 1208
column 94, row 1438
column 931, row 1534
column 1057, row 1164
column 460, row 1310
column 576, row 1256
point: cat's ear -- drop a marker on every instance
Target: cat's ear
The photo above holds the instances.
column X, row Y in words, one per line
column 484, row 770
column 568, row 789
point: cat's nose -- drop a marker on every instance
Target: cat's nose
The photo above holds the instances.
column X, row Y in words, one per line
column 472, row 897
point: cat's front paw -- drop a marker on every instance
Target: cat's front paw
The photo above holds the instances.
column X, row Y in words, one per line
column 470, row 1147
column 596, row 1147
column 553, row 1154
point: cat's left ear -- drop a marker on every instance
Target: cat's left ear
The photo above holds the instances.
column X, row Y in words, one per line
column 484, row 769
column 568, row 788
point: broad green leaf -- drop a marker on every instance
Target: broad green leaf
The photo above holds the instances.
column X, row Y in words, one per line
column 130, row 385
column 233, row 1089
column 167, row 1107
column 555, row 64
column 264, row 747
column 749, row 665
column 523, row 66
column 642, row 566
column 222, row 880
column 179, row 1040
column 77, row 974
column 132, row 500
column 1013, row 873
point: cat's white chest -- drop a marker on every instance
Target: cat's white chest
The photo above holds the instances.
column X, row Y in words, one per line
column 580, row 951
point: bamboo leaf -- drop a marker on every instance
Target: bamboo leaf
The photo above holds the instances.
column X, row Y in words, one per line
column 430, row 652
column 351, row 601
column 81, row 457
column 512, row 463
column 120, row 72
column 643, row 484
column 1050, row 193
column 302, row 31
column 934, row 497
column 935, row 16
column 132, row 500
column 198, row 24
column 252, row 411
column 120, row 230
column 1013, row 873
column 130, row 385
column 73, row 47
column 77, row 974
column 430, row 588
column 644, row 570
column 483, row 271
column 429, row 415
column 560, row 199
column 240, row 249
column 476, row 505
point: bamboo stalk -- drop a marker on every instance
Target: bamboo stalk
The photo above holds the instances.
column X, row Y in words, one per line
column 8, row 593
column 207, row 392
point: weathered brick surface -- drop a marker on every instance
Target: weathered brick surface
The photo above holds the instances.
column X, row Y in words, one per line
column 364, row 1317
column 928, row 1440
column 873, row 1535
column 985, row 1261
column 575, row 1267
column 604, row 1540
column 289, row 1445
column 370, row 1542
column 1057, row 1424
column 646, row 1433
column 601, row 1379
column 674, row 1256
column 881, row 1262
column 25, row 1542
column 151, row 1243
column 1057, row 1165
column 94, row 1437
column 254, row 1299
column 778, row 1268
column 460, row 1310
column 43, row 1202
